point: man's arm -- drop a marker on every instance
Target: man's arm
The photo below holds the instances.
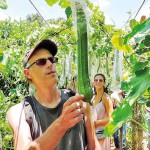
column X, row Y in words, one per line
column 71, row 114
column 20, row 127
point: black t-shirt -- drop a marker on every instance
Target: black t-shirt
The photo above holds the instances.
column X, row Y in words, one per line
column 42, row 117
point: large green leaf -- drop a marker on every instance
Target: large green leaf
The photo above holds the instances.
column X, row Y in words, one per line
column 140, row 65
column 3, row 4
column 140, row 28
column 139, row 84
column 121, row 114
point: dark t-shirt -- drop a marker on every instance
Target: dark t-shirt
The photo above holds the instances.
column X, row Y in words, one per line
column 42, row 117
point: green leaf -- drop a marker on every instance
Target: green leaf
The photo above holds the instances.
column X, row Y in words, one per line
column 121, row 114
column 125, row 86
column 1, row 55
column 147, row 40
column 148, row 104
column 133, row 58
column 51, row 2
column 139, row 84
column 133, row 23
column 68, row 12
column 143, row 27
column 3, row 4
column 64, row 3
column 140, row 65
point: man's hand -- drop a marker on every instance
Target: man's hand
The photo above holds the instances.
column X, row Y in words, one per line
column 72, row 112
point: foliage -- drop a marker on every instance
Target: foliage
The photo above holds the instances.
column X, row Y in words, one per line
column 3, row 4
column 18, row 36
column 139, row 81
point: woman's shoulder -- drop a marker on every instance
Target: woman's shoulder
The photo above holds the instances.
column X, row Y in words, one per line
column 106, row 97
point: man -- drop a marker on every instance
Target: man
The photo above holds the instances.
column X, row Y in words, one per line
column 50, row 119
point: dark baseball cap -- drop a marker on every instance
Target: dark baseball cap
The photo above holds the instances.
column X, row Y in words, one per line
column 43, row 44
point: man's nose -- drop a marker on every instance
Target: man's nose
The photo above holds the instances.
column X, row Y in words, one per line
column 48, row 62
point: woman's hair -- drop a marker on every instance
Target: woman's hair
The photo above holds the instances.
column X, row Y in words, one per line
column 103, row 76
column 74, row 77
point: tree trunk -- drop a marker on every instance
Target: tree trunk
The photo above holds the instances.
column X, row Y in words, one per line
column 137, row 132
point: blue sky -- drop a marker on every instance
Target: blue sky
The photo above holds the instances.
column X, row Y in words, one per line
column 115, row 10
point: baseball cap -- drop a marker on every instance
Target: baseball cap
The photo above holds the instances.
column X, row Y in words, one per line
column 43, row 44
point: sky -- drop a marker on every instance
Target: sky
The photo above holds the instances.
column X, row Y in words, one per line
column 115, row 11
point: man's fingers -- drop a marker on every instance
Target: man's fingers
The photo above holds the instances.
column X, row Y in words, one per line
column 73, row 99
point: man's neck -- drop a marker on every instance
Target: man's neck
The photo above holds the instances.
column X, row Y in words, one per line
column 48, row 97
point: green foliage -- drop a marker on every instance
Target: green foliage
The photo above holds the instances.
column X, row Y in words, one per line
column 139, row 28
column 68, row 12
column 121, row 114
column 3, row 4
column 19, row 36
column 139, row 81
column 62, row 3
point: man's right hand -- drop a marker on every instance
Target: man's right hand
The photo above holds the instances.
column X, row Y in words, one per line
column 72, row 112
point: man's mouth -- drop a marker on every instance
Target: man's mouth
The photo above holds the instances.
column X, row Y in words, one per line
column 51, row 72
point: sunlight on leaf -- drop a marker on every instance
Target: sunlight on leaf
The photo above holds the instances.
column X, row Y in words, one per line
column 121, row 114
column 51, row 2
column 117, row 42
column 64, row 3
column 143, row 27
column 133, row 23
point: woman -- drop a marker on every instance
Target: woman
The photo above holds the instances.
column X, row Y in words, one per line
column 101, row 110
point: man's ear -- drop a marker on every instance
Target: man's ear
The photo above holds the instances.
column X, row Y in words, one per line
column 27, row 74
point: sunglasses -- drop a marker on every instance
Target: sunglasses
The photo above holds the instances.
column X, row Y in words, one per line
column 42, row 61
column 100, row 80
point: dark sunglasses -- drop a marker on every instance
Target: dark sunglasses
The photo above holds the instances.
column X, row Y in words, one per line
column 100, row 80
column 42, row 61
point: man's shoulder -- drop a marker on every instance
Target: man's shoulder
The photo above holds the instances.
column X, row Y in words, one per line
column 16, row 108
column 13, row 114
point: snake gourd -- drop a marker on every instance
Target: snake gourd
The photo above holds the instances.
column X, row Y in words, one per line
column 84, row 86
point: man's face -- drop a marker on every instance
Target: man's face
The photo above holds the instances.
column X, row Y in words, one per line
column 42, row 74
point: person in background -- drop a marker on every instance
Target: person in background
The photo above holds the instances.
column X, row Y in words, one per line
column 51, row 118
column 101, row 110
column 117, row 97
column 73, row 85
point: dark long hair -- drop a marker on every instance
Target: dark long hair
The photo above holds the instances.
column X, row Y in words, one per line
column 105, row 88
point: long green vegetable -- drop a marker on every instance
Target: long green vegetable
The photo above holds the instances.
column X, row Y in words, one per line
column 84, row 86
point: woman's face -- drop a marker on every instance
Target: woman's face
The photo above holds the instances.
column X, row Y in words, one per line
column 99, row 82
